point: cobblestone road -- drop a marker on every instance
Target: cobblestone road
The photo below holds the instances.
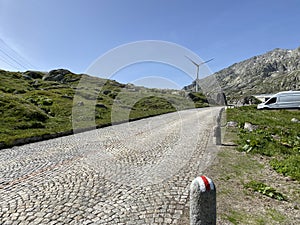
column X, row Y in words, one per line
column 133, row 173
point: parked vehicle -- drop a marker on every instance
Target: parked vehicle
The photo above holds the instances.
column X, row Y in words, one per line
column 282, row 100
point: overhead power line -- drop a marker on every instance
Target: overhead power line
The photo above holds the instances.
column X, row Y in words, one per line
column 8, row 63
column 13, row 58
column 1, row 50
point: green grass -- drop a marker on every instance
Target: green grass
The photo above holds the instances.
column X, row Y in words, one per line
column 248, row 192
column 235, row 217
column 264, row 189
column 199, row 99
column 276, row 216
column 150, row 106
column 276, row 137
column 240, row 217
column 32, row 107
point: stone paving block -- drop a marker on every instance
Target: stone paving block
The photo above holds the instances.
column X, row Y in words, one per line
column 136, row 173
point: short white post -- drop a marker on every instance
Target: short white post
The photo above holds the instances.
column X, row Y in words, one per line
column 203, row 209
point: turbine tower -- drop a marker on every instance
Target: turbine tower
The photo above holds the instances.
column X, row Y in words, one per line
column 198, row 66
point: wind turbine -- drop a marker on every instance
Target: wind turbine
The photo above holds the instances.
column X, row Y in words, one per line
column 198, row 66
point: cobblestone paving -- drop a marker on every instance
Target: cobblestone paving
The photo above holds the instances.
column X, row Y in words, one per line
column 133, row 173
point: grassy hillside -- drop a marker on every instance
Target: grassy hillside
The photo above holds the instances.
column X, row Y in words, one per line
column 257, row 173
column 275, row 137
column 38, row 104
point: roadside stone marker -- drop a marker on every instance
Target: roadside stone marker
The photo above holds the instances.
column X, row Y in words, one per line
column 202, row 201
column 217, row 135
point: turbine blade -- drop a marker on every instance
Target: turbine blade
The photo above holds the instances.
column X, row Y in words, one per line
column 196, row 64
column 208, row 61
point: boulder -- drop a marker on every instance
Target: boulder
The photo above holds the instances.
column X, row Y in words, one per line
column 80, row 103
column 106, row 92
column 33, row 74
column 294, row 120
column 232, row 124
column 26, row 77
column 250, row 127
column 275, row 137
column 56, row 75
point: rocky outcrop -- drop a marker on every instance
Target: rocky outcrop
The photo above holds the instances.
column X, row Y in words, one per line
column 61, row 75
column 33, row 74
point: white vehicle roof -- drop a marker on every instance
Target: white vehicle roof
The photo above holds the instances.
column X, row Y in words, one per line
column 288, row 92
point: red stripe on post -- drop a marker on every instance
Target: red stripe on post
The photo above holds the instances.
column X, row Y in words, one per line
column 207, row 185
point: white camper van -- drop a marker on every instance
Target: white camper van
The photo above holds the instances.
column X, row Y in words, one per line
column 282, row 100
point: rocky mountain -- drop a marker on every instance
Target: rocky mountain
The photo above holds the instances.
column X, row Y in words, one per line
column 276, row 70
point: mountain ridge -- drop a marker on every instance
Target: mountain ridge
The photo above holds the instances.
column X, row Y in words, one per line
column 276, row 70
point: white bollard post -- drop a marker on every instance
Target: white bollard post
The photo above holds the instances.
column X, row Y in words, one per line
column 203, row 209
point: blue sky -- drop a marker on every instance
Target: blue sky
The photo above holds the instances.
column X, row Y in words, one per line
column 72, row 34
